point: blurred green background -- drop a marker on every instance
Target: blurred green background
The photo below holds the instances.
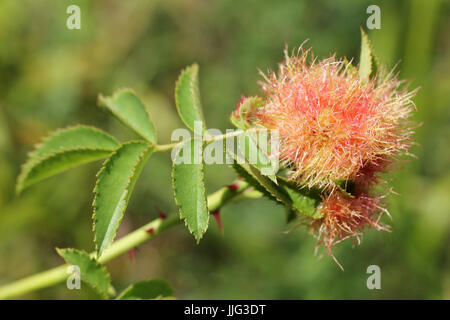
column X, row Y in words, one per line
column 50, row 77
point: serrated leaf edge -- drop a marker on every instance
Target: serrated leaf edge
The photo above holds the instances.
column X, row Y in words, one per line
column 294, row 188
column 241, row 172
column 267, row 192
column 197, row 106
column 246, row 166
column 95, row 261
column 286, row 201
column 33, row 163
column 244, row 135
column 145, row 154
column 202, row 231
column 33, row 154
column 103, row 102
column 373, row 58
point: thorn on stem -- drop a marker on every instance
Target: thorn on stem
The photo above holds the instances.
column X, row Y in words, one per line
column 150, row 230
column 233, row 187
column 132, row 255
column 161, row 213
column 216, row 215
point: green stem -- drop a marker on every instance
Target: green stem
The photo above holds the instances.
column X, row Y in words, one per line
column 57, row 275
column 223, row 136
column 165, row 147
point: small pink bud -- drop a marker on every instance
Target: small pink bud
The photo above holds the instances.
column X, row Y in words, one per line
column 233, row 187
column 238, row 106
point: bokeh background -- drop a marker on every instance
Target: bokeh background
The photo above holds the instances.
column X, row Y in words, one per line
column 50, row 77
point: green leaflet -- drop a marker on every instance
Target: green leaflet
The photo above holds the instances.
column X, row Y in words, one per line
column 269, row 186
column 304, row 200
column 241, row 172
column 65, row 149
column 146, row 290
column 91, row 272
column 129, row 109
column 365, row 58
column 251, row 148
column 187, row 97
column 369, row 65
column 37, row 170
column 260, row 182
column 188, row 183
column 345, row 187
column 72, row 138
column 115, row 183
